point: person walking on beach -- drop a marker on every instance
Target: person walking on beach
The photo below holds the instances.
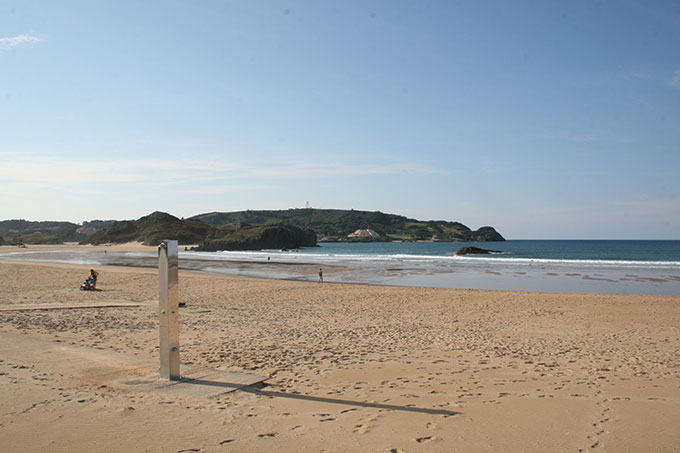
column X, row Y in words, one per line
column 320, row 275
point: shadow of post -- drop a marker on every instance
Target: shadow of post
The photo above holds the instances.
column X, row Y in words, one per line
column 319, row 399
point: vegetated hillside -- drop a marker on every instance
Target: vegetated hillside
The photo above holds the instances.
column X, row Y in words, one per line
column 97, row 224
column 19, row 231
column 152, row 229
column 280, row 236
column 340, row 223
column 158, row 226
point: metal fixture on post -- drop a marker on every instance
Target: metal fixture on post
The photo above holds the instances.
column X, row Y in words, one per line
column 168, row 309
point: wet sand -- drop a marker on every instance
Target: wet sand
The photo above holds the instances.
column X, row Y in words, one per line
column 537, row 277
column 350, row 367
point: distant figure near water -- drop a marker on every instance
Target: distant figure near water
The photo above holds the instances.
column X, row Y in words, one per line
column 320, row 275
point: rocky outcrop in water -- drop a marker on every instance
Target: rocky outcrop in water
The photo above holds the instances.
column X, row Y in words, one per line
column 475, row 251
column 486, row 234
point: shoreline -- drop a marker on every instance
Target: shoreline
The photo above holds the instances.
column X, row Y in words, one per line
column 312, row 276
column 484, row 275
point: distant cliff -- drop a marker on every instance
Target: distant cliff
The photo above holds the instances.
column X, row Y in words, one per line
column 338, row 224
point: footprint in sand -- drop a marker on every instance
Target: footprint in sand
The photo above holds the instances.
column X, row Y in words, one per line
column 420, row 440
column 361, row 429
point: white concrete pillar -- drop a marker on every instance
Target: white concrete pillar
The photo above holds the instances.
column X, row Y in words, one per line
column 168, row 309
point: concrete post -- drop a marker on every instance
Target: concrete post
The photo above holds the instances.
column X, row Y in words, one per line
column 168, row 310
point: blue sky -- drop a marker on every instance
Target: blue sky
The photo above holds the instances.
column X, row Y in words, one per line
column 545, row 119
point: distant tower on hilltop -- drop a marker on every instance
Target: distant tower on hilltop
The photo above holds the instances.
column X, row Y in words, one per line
column 307, row 205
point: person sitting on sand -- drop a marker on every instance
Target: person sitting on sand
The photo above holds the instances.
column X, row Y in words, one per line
column 91, row 281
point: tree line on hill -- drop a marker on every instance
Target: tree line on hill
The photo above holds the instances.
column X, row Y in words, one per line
column 244, row 230
column 19, row 231
column 338, row 223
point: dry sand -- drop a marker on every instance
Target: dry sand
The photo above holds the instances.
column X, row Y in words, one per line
column 350, row 367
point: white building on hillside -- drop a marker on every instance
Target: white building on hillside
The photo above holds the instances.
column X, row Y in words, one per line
column 365, row 234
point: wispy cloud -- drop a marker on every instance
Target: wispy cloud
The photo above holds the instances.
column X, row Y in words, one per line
column 70, row 172
column 12, row 42
column 220, row 174
column 312, row 170
column 663, row 206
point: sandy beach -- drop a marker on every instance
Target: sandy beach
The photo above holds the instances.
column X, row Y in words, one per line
column 348, row 367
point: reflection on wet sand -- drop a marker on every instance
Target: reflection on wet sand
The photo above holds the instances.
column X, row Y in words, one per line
column 471, row 275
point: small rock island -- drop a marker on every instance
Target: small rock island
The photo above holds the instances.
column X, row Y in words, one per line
column 475, row 251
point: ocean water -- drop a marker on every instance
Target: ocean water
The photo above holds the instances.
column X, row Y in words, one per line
column 595, row 266
column 588, row 266
column 512, row 250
